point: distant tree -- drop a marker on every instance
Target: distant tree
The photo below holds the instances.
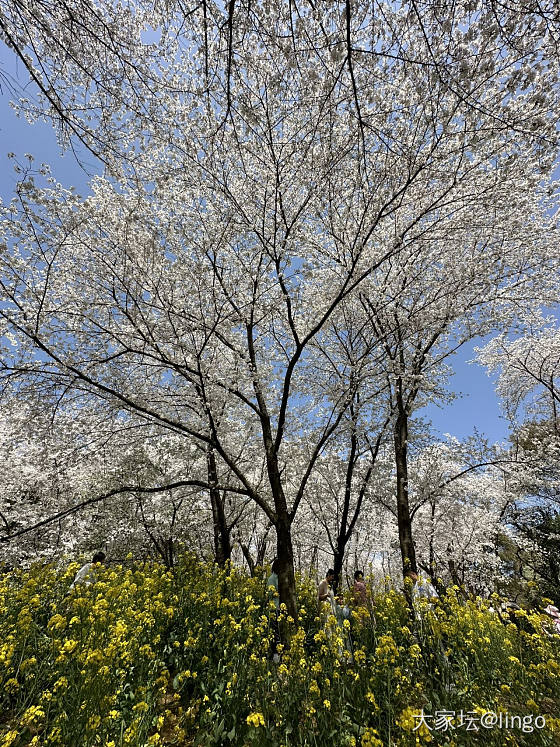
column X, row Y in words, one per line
column 528, row 367
column 110, row 483
column 529, row 386
column 458, row 501
column 536, row 551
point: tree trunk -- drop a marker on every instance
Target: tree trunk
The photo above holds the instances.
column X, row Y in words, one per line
column 343, row 533
column 453, row 572
column 170, row 552
column 314, row 562
column 348, row 518
column 261, row 545
column 285, row 556
column 338, row 562
column 222, row 542
column 248, row 557
column 283, row 526
column 261, row 549
column 408, row 553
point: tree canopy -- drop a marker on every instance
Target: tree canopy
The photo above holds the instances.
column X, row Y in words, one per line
column 301, row 208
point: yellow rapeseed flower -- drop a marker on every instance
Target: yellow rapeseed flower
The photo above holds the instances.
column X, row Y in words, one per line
column 255, row 719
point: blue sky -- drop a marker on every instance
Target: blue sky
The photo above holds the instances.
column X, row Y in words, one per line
column 476, row 407
column 39, row 139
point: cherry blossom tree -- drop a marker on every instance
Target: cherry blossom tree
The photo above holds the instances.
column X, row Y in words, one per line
column 102, row 480
column 528, row 368
column 436, row 297
column 459, row 499
column 258, row 175
column 528, row 384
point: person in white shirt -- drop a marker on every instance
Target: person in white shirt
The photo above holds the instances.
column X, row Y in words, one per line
column 422, row 588
column 86, row 574
column 272, row 586
column 272, row 582
column 325, row 593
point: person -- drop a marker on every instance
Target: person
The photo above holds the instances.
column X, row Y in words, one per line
column 422, row 588
column 359, row 591
column 272, row 584
column 328, row 605
column 360, row 597
column 86, row 574
column 325, row 593
column 553, row 612
column 272, row 581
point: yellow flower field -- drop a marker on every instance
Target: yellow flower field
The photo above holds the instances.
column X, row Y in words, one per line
column 145, row 656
